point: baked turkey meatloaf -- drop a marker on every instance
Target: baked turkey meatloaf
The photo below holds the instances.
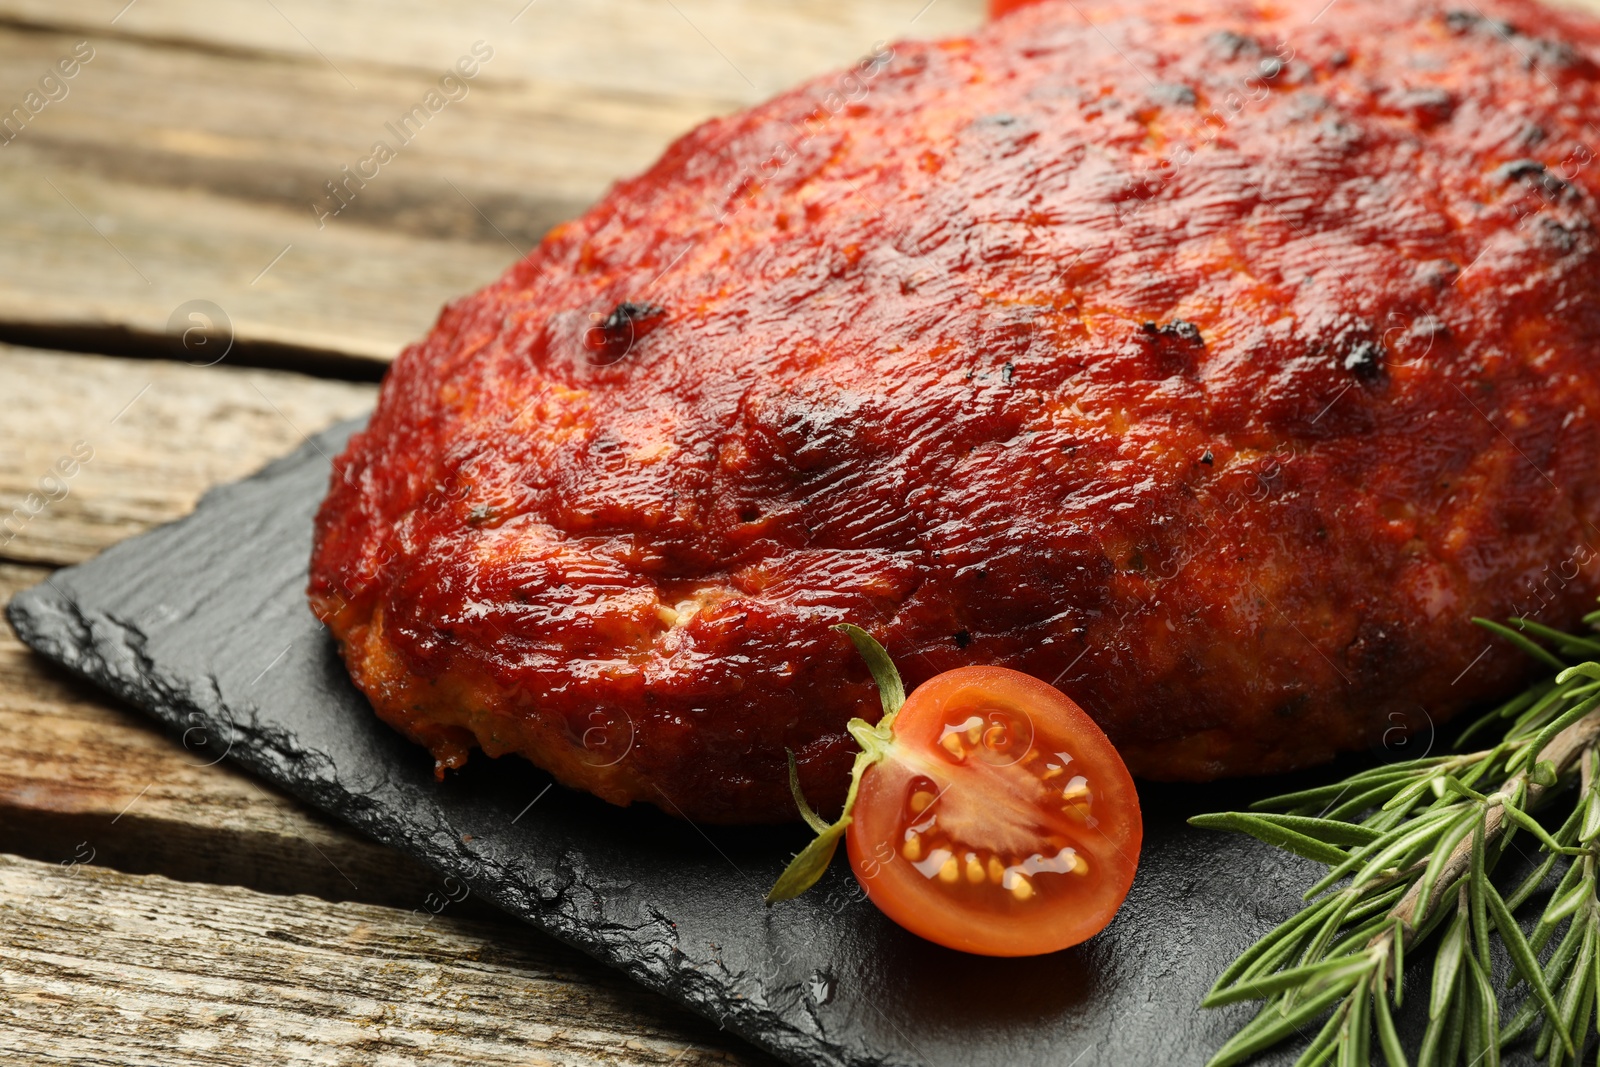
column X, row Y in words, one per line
column 1216, row 361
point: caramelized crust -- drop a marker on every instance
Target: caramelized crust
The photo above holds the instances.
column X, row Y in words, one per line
column 1216, row 361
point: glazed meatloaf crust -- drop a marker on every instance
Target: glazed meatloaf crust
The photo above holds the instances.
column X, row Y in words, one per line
column 1216, row 361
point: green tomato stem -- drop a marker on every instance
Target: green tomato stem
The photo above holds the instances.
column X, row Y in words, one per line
column 808, row 866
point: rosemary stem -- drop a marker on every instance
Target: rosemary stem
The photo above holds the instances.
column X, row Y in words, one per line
column 1563, row 751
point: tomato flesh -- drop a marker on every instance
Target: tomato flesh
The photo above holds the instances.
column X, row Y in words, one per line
column 1001, row 821
column 1001, row 8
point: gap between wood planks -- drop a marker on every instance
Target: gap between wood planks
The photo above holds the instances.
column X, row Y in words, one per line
column 130, row 343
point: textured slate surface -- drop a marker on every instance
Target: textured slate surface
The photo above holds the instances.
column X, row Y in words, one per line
column 204, row 624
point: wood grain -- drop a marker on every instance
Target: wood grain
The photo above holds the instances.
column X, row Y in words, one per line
column 734, row 52
column 75, row 769
column 85, row 252
column 190, row 152
column 157, row 435
column 83, row 776
column 170, row 974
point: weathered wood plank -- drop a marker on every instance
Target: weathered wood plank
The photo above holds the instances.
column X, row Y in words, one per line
column 350, row 290
column 195, row 146
column 76, row 772
column 81, row 776
column 94, row 448
column 97, row 966
column 732, row 51
column 275, row 129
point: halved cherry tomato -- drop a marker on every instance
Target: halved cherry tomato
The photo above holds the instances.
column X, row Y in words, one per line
column 1001, row 821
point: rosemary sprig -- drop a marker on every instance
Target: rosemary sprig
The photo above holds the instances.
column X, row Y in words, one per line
column 1412, row 850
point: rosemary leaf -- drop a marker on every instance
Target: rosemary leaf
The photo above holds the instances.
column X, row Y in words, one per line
column 1531, row 884
column 1273, row 833
column 1510, row 709
column 1547, row 926
column 1353, row 1049
column 1566, row 953
column 1356, row 859
column 1322, row 1046
column 1429, row 1054
column 1398, row 940
column 1487, row 1015
column 1330, row 926
column 1561, row 722
column 1375, row 911
column 1582, row 645
column 1447, row 966
column 1387, row 1038
column 1375, row 797
column 1408, row 797
column 1472, row 1049
column 1456, row 1028
column 1358, row 939
column 1360, row 1029
column 1558, row 1024
column 1325, row 1055
column 1585, row 1003
column 1530, row 824
column 1441, row 855
column 1479, row 921
column 1373, row 900
column 1360, row 1056
column 1354, row 786
column 1332, row 831
column 1248, row 1042
column 1564, row 907
column 1517, row 946
column 1460, row 788
column 1531, row 1009
column 1536, row 651
column 1418, row 839
column 1591, row 817
column 1272, row 961
column 1588, row 669
column 1280, row 936
column 1539, row 710
column 1330, row 971
column 1577, row 991
column 1580, row 1031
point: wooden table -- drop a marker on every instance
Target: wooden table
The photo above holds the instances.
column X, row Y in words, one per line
column 155, row 908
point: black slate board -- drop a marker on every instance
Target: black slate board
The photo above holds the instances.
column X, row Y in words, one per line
column 204, row 625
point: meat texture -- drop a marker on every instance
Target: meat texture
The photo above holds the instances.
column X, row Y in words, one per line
column 1216, row 361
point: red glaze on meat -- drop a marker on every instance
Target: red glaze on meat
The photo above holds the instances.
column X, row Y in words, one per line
column 1216, row 361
